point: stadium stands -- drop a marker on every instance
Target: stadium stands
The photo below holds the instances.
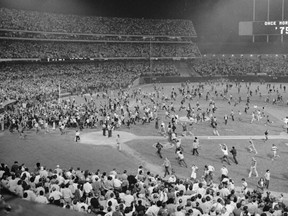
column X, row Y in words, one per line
column 22, row 81
column 21, row 37
column 141, row 193
column 48, row 22
column 58, row 49
column 230, row 65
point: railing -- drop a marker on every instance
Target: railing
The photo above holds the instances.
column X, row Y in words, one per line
column 95, row 41
column 99, row 35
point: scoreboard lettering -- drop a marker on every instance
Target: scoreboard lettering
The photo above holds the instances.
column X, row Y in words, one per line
column 263, row 28
column 270, row 28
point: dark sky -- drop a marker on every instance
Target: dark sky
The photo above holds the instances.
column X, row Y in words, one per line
column 122, row 8
column 210, row 17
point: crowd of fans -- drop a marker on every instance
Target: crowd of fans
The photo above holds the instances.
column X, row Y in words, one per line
column 34, row 80
column 235, row 66
column 121, row 193
column 277, row 65
column 38, row 49
column 49, row 22
column 113, row 193
column 212, row 66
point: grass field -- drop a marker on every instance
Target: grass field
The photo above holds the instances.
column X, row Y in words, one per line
column 52, row 149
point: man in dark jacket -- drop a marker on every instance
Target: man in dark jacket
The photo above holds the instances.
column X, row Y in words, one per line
column 234, row 153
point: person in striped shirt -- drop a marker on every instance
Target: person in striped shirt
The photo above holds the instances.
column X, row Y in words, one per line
column 274, row 150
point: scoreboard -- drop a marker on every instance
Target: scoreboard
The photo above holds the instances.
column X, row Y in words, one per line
column 257, row 28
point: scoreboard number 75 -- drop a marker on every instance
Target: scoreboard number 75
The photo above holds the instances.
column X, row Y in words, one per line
column 283, row 30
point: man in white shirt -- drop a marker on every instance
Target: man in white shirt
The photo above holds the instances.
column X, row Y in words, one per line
column 82, row 206
column 224, row 192
column 224, row 172
column 181, row 159
column 224, row 149
column 41, row 198
column 200, row 189
column 43, row 172
column 128, row 198
column 58, row 170
column 12, row 183
column 87, row 187
column 117, row 184
column 31, row 194
column 217, row 206
column 153, row 209
column 56, row 195
column 113, row 201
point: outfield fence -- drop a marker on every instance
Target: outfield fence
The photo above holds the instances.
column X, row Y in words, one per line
column 247, row 78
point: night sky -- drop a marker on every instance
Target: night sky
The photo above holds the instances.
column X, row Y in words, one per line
column 210, row 17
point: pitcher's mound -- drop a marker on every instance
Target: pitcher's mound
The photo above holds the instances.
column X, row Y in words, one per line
column 97, row 138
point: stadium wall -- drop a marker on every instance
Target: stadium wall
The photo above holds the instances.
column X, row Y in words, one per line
column 148, row 80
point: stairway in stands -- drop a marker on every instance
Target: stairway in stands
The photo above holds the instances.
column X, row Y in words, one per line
column 186, row 71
